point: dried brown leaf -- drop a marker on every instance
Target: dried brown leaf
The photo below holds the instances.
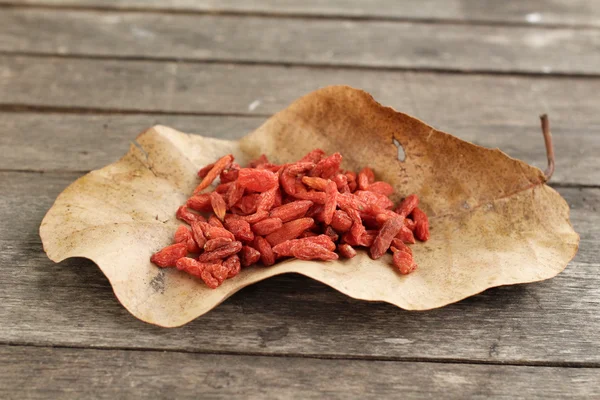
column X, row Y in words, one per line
column 493, row 220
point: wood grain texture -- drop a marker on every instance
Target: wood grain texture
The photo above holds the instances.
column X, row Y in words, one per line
column 72, row 304
column 575, row 12
column 32, row 373
column 54, row 141
column 307, row 42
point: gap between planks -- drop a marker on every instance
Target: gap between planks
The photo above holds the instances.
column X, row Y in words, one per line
column 338, row 16
column 541, row 364
column 306, row 65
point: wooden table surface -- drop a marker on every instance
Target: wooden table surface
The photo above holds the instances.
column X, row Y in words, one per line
column 79, row 79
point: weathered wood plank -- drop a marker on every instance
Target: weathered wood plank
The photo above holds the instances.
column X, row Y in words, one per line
column 574, row 12
column 72, row 304
column 296, row 41
column 42, row 142
column 32, row 373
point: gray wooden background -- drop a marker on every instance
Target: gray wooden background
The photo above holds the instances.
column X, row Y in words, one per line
column 79, row 79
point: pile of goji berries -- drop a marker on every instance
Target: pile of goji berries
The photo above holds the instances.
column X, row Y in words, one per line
column 307, row 210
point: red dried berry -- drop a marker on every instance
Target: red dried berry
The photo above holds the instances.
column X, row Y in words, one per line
column 249, row 256
column 314, row 156
column 384, row 238
column 352, row 184
column 186, row 215
column 421, row 224
column 306, row 234
column 168, row 256
column 184, row 235
column 248, row 203
column 223, row 188
column 332, row 234
column 340, row 221
column 285, row 249
column 214, row 221
column 266, row 252
column 205, row 170
column 266, row 200
column 409, row 223
column 346, row 250
column 408, row 205
column 365, row 178
column 373, row 199
column 327, row 167
column 290, row 230
column 266, row 226
column 406, row 235
column 314, row 182
column 330, row 202
column 213, row 232
column 215, row 171
column 191, row 266
column 254, row 218
column 230, row 174
column 233, row 265
column 291, row 211
column 404, row 262
column 398, row 245
column 240, row 229
column 383, row 188
column 214, row 275
column 311, row 251
column 214, row 244
column 257, row 180
column 221, row 252
column 218, row 205
column 234, row 194
column 341, row 182
column 259, row 161
column 315, row 197
column 198, row 234
column 200, row 202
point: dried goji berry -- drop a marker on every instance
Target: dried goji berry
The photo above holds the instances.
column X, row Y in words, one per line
column 331, row 233
column 404, row 262
column 198, row 234
column 374, row 199
column 213, row 232
column 352, row 184
column 214, row 244
column 214, row 274
column 200, row 202
column 330, row 202
column 234, row 194
column 314, row 182
column 168, row 256
column 349, row 200
column 254, row 218
column 340, row 221
column 191, row 266
column 230, row 174
column 314, row 156
column 221, row 252
column 240, row 229
column 249, row 256
column 311, row 251
column 299, row 168
column 285, row 249
column 384, row 238
column 258, row 161
column 315, row 212
column 266, row 200
column 266, row 252
column 407, row 205
column 215, row 171
column 365, row 178
column 257, row 180
column 346, row 250
column 288, row 183
column 380, row 187
column 341, row 182
column 223, row 188
column 400, row 246
column 290, row 230
column 266, row 226
column 410, row 224
column 248, row 203
column 184, row 235
column 291, row 211
column 218, row 205
column 306, row 234
column 315, row 197
column 186, row 215
column 421, row 224
column 214, row 221
column 233, row 265
column 327, row 167
column 205, row 170
column 406, row 235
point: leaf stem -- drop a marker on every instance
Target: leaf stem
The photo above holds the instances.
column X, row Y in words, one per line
column 549, row 146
